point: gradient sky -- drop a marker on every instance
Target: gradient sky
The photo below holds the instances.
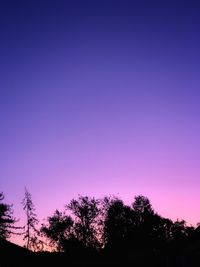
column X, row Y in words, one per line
column 101, row 97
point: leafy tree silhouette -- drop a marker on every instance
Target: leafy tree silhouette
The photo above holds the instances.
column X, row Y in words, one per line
column 162, row 232
column 144, row 220
column 129, row 229
column 31, row 233
column 118, row 225
column 142, row 206
column 58, row 230
column 179, row 232
column 86, row 213
column 7, row 220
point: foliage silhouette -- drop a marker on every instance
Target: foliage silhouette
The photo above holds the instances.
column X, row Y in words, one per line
column 86, row 213
column 58, row 229
column 7, row 220
column 117, row 225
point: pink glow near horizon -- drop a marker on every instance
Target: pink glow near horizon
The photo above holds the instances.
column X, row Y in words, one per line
column 100, row 99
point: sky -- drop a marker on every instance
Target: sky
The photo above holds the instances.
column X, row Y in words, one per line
column 98, row 98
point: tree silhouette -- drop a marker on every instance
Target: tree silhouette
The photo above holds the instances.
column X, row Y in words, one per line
column 7, row 220
column 142, row 207
column 118, row 226
column 30, row 233
column 179, row 231
column 145, row 221
column 58, row 230
column 86, row 212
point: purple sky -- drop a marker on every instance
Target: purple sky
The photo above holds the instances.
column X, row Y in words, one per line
column 100, row 97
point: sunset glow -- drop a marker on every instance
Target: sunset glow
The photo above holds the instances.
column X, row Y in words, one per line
column 100, row 98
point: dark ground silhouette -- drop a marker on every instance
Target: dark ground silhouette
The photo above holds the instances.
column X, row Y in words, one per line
column 12, row 255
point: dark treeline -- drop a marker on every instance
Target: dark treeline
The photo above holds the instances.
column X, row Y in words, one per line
column 102, row 231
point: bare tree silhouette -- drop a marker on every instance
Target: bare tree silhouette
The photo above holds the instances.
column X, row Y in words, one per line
column 31, row 233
